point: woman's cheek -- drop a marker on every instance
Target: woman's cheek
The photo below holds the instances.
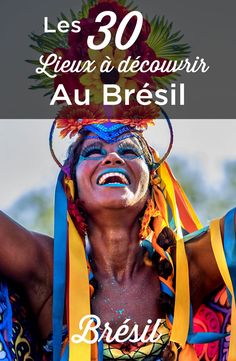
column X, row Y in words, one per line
column 144, row 175
column 81, row 177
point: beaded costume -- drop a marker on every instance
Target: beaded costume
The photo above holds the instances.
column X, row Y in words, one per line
column 140, row 351
column 18, row 337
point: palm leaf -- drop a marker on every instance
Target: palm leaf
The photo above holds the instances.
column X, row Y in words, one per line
column 49, row 41
column 122, row 2
column 73, row 15
column 48, row 93
column 165, row 81
column 130, row 6
column 164, row 42
column 33, row 62
column 86, row 7
column 64, row 17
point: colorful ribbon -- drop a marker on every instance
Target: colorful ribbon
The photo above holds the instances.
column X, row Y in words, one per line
column 218, row 249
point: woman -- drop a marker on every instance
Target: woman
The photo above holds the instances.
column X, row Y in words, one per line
column 116, row 192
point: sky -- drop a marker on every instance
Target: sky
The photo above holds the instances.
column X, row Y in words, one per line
column 26, row 163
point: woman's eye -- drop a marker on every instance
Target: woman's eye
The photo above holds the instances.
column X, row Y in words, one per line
column 92, row 152
column 130, row 151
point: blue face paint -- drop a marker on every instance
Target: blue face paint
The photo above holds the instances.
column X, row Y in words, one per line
column 97, row 151
column 114, row 185
column 129, row 150
column 94, row 151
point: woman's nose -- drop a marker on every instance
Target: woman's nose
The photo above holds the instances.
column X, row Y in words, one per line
column 112, row 158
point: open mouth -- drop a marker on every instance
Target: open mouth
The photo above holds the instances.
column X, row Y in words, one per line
column 113, row 178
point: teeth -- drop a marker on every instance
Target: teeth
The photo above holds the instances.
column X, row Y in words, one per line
column 122, row 177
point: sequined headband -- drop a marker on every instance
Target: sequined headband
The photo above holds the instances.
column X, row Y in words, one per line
column 109, row 130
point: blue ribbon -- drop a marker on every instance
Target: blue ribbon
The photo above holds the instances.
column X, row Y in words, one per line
column 202, row 337
column 149, row 247
column 195, row 234
column 59, row 276
column 205, row 337
column 100, row 349
column 6, row 310
column 6, row 323
column 166, row 289
column 230, row 246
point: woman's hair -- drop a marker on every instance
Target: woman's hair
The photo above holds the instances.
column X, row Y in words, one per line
column 166, row 239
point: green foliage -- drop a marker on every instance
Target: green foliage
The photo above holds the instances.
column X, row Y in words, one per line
column 192, row 181
column 163, row 82
column 86, row 5
column 208, row 201
column 130, row 6
column 165, row 43
column 223, row 198
column 34, row 210
column 122, row 2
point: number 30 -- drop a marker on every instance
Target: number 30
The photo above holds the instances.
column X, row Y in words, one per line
column 120, row 31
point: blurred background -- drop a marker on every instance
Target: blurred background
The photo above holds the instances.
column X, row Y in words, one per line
column 203, row 160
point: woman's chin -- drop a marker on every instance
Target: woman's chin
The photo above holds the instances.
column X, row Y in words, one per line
column 114, row 198
column 117, row 198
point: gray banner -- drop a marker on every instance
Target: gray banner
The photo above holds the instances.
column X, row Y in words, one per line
column 208, row 26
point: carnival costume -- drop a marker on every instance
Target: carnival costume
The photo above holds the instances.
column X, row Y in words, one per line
column 167, row 207
column 17, row 327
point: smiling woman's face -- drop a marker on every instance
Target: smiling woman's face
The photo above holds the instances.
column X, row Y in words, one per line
column 112, row 176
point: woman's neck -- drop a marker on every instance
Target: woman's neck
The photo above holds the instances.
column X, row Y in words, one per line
column 115, row 251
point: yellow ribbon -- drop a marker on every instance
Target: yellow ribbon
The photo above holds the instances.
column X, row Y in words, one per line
column 188, row 354
column 79, row 295
column 218, row 250
column 190, row 207
column 181, row 320
column 79, row 292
